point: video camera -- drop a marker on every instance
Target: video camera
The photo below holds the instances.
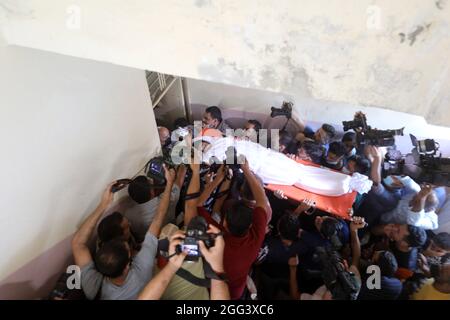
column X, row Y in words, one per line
column 426, row 164
column 365, row 135
column 285, row 110
column 231, row 163
column 154, row 169
column 196, row 231
column 342, row 284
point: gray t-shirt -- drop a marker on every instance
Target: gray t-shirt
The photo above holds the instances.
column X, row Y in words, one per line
column 141, row 271
column 141, row 215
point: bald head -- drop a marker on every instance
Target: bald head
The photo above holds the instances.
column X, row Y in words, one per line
column 164, row 134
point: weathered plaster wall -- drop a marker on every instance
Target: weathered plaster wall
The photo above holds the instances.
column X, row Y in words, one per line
column 379, row 53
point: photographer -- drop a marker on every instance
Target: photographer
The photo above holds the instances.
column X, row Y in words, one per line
column 379, row 199
column 283, row 243
column 390, row 286
column 143, row 201
column 325, row 292
column 111, row 270
column 318, row 230
column 243, row 228
column 214, row 256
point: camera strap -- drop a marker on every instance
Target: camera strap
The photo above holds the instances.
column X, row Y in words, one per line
column 201, row 282
column 186, row 275
column 163, row 245
column 192, row 196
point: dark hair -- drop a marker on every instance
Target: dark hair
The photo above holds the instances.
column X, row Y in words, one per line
column 417, row 236
column 256, row 124
column 286, row 139
column 62, row 292
column 112, row 258
column 139, row 189
column 387, row 263
column 245, row 190
column 335, row 231
column 110, row 227
column 180, row 123
column 329, row 226
column 214, row 112
column 288, row 227
column 239, row 218
column 338, row 148
column 362, row 164
column 442, row 240
column 313, row 150
column 329, row 129
column 349, row 136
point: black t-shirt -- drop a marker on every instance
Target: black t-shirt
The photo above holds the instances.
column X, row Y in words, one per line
column 407, row 260
column 390, row 289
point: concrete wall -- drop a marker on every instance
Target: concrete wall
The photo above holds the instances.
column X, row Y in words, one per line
column 379, row 53
column 68, row 127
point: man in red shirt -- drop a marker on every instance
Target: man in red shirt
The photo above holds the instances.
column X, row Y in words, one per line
column 244, row 228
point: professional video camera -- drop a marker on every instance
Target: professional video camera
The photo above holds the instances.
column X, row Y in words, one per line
column 365, row 135
column 342, row 284
column 426, row 164
column 154, row 169
column 285, row 111
column 196, row 230
column 231, row 163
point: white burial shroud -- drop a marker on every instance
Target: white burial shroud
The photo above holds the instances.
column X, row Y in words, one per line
column 275, row 168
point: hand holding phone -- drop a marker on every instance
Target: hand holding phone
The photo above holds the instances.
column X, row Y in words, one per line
column 120, row 184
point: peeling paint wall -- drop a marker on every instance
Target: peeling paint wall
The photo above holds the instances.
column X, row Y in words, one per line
column 379, row 53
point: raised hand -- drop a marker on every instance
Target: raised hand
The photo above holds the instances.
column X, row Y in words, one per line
column 176, row 260
column 293, row 261
column 307, row 205
column 214, row 255
column 169, row 174
column 357, row 223
column 280, row 194
column 108, row 195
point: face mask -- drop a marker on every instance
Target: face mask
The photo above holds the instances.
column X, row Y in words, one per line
column 332, row 163
column 352, row 152
column 388, row 181
column 345, row 170
column 410, row 183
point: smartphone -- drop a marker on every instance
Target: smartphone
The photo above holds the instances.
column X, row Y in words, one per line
column 120, row 184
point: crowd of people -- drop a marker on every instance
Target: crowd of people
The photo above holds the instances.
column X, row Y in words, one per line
column 259, row 244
